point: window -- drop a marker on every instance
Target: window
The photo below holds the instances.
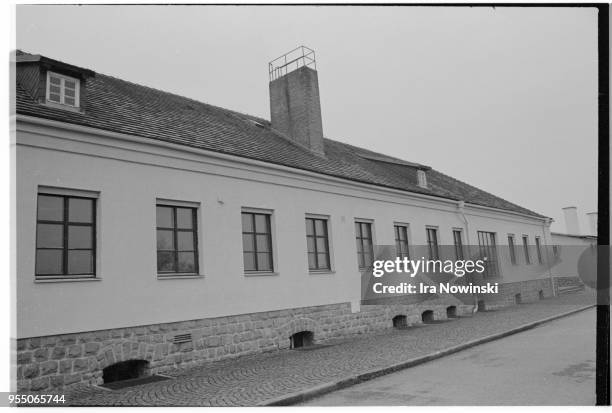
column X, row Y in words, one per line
column 62, row 89
column 432, row 243
column 511, row 249
column 365, row 248
column 555, row 250
column 177, row 241
column 458, row 241
column 422, row 178
column 401, row 241
column 257, row 242
column 538, row 249
column 65, row 236
column 488, row 249
column 317, row 241
column 526, row 249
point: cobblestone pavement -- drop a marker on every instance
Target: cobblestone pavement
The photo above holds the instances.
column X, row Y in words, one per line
column 250, row 380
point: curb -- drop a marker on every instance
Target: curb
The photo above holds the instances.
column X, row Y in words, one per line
column 319, row 390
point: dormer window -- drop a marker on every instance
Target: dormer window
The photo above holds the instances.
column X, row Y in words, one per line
column 422, row 178
column 62, row 90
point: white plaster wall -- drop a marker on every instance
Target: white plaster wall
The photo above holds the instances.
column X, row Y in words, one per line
column 130, row 177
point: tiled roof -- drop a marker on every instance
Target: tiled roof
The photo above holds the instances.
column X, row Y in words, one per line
column 120, row 106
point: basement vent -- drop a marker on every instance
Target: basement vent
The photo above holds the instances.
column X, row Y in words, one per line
column 518, row 299
column 400, row 322
column 427, row 316
column 182, row 338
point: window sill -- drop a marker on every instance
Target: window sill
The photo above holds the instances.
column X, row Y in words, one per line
column 262, row 273
column 64, row 280
column 178, row 276
column 314, row 272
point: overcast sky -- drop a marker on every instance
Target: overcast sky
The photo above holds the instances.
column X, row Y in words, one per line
column 504, row 99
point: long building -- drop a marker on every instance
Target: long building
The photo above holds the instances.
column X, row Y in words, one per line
column 155, row 231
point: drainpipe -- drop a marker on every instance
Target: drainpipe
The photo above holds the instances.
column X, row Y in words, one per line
column 546, row 223
column 461, row 211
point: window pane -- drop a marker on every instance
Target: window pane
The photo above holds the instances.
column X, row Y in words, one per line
column 359, row 246
column 312, row 263
column 50, row 236
column 366, row 230
column 321, row 245
column 80, row 210
column 50, row 208
column 184, row 218
column 69, row 92
column 247, row 222
column 54, row 97
column 367, row 259
column 309, row 226
column 185, row 241
column 263, row 262
column 310, row 242
column 186, row 261
column 263, row 244
column 248, row 243
column 261, row 223
column 69, row 101
column 79, row 236
column 320, row 226
column 323, row 261
column 69, row 83
column 165, row 217
column 360, row 260
column 249, row 261
column 54, row 89
column 54, row 80
column 165, row 261
column 165, row 240
column 80, row 262
column 49, row 262
column 357, row 229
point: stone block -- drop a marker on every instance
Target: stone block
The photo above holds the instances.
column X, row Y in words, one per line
column 41, row 354
column 24, row 357
column 74, row 350
column 72, row 378
column 80, row 364
column 48, row 367
column 30, row 371
column 40, row 383
column 92, row 348
column 65, row 366
column 58, row 353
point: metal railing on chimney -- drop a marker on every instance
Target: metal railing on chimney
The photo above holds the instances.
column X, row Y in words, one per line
column 290, row 61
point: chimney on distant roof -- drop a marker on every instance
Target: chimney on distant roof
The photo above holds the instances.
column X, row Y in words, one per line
column 295, row 108
column 592, row 217
column 571, row 220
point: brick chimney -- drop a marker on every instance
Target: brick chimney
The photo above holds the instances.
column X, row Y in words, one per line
column 295, row 108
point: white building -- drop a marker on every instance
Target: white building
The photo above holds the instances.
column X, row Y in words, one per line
column 157, row 228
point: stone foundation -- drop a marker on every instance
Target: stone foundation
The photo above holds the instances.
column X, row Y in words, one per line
column 529, row 292
column 60, row 362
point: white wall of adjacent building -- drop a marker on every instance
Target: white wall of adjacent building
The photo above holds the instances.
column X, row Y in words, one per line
column 130, row 174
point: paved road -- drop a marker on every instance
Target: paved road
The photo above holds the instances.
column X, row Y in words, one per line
column 553, row 364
